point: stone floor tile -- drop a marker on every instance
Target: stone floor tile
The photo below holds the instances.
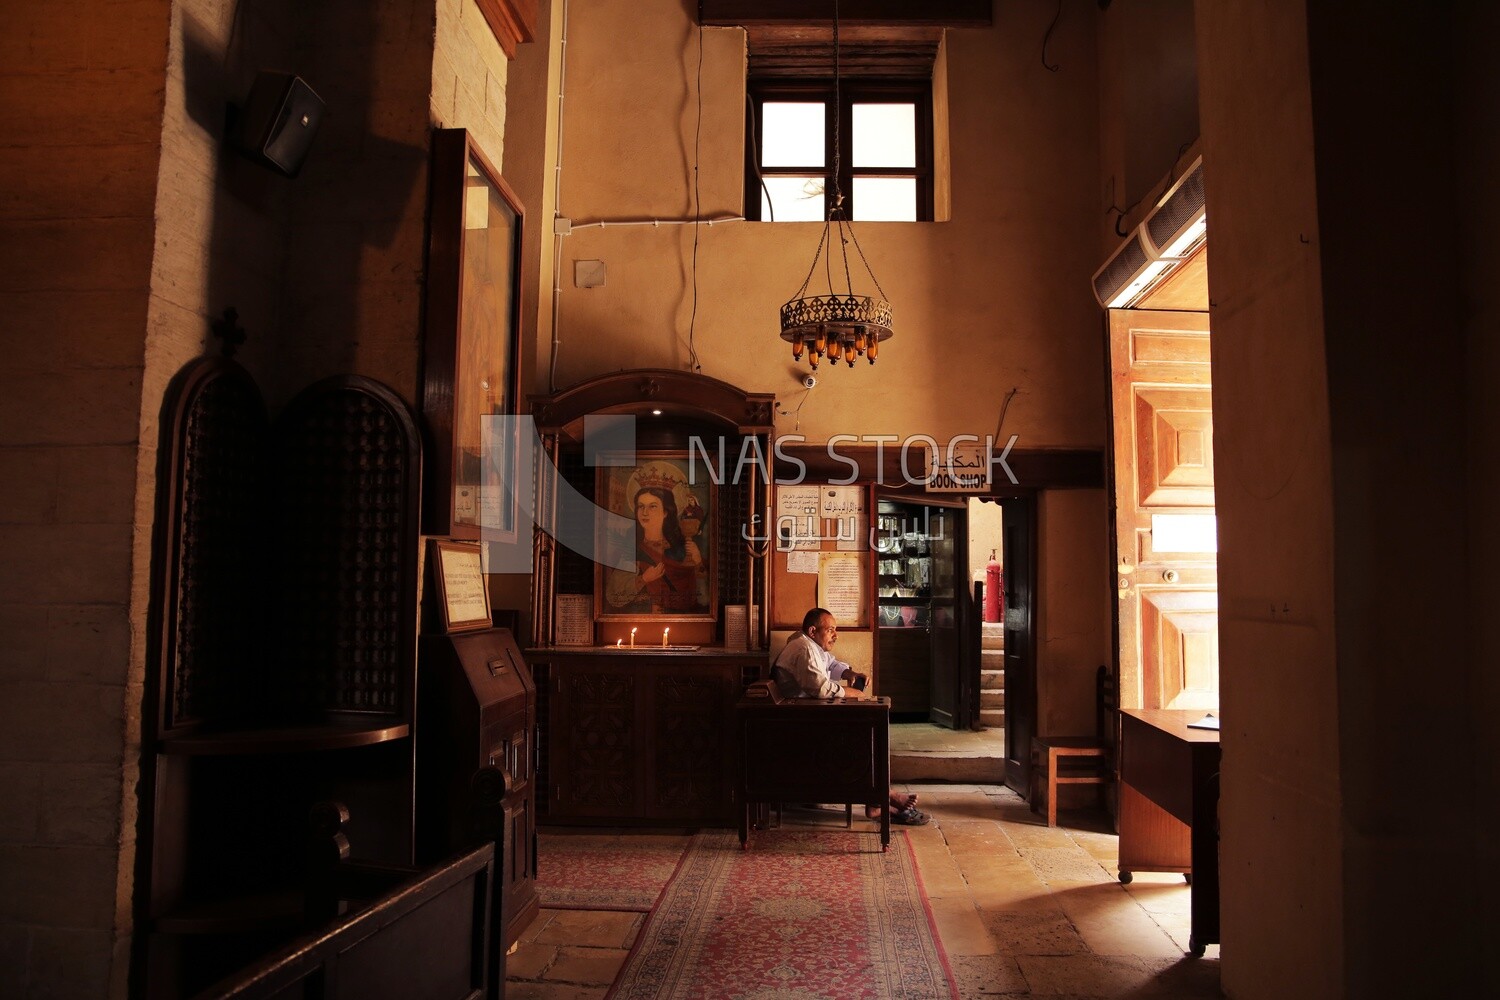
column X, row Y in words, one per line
column 1110, row 922
column 587, row 966
column 1029, row 836
column 986, row 975
column 1187, row 978
column 941, row 877
column 1013, row 898
column 1084, row 975
column 591, row 928
column 539, row 924
column 1040, row 931
column 1159, row 897
column 960, row 928
column 553, row 991
column 1066, row 864
column 529, row 960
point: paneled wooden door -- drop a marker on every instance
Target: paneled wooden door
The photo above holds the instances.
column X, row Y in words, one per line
column 1166, row 570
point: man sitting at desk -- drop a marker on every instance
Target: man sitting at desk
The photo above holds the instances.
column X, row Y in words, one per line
column 807, row 668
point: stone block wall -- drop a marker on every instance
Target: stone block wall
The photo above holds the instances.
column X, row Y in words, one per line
column 81, row 107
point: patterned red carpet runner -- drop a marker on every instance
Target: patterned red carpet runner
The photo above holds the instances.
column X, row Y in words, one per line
column 605, row 872
column 803, row 915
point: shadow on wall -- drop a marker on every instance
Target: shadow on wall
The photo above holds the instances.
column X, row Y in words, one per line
column 325, row 269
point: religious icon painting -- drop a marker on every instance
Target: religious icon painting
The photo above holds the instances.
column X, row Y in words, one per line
column 655, row 555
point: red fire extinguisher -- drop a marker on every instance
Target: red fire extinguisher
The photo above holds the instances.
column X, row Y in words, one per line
column 994, row 604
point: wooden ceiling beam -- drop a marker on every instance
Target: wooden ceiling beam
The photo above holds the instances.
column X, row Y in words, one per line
column 935, row 13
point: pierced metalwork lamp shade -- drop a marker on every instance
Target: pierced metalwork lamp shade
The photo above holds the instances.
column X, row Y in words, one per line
column 839, row 324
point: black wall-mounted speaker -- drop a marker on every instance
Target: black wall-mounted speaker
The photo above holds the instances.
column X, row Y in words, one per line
column 278, row 122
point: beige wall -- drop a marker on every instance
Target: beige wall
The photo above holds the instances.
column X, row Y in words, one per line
column 1281, row 800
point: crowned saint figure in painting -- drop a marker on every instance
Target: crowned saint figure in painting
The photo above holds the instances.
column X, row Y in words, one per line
column 671, row 571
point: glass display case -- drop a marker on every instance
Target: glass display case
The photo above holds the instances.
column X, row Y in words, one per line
column 911, row 593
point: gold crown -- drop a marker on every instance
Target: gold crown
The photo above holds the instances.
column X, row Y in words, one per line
column 658, row 477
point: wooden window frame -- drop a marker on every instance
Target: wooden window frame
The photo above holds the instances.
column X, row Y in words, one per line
column 851, row 92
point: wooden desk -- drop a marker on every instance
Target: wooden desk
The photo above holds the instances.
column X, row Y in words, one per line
column 814, row 750
column 1169, row 798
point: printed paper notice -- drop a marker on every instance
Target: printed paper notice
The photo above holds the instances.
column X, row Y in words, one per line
column 802, row 562
column 797, row 524
column 841, row 586
column 843, row 514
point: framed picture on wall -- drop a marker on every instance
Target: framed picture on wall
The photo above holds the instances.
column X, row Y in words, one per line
column 471, row 344
column 656, row 558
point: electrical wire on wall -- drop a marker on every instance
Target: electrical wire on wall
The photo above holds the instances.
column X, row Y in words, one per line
column 557, row 175
column 563, row 226
column 1047, row 37
column 697, row 205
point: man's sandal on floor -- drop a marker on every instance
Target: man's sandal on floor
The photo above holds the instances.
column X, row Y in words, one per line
column 910, row 816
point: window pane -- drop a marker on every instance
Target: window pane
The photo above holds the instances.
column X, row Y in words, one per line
column 889, row 199
column 885, row 135
column 1184, row 533
column 795, row 199
column 792, row 135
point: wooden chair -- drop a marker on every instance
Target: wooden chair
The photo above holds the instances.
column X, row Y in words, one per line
column 1078, row 760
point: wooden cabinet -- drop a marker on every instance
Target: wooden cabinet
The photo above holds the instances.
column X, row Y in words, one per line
column 639, row 737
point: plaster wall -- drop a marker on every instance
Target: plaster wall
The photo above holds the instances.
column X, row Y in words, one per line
column 1405, row 653
column 1476, row 106
column 1073, row 611
column 1281, row 862
column 1148, row 105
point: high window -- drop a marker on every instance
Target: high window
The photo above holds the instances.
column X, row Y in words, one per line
column 880, row 142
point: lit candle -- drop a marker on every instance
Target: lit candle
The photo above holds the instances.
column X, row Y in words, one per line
column 664, row 635
column 619, row 642
column 632, row 638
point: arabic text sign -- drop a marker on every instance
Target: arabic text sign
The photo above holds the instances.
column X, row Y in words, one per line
column 959, row 469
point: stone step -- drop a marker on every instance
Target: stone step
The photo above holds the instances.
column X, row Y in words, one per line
column 991, row 680
column 992, row 718
column 992, row 657
column 930, row 767
column 991, row 699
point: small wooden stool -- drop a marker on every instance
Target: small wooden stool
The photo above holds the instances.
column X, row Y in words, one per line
column 1090, row 759
column 1047, row 753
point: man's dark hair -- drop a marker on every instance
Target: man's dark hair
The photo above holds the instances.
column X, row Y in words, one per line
column 810, row 620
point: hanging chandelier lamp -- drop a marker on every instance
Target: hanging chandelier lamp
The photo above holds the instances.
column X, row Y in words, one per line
column 837, row 324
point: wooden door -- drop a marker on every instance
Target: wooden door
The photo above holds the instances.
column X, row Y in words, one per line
column 1019, row 534
column 949, row 543
column 1165, row 537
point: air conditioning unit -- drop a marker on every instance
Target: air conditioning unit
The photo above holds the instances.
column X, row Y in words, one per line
column 1179, row 222
column 1175, row 227
column 1132, row 269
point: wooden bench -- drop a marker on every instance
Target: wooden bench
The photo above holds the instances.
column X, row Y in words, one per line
column 390, row 932
column 1078, row 760
column 812, row 750
column 430, row 937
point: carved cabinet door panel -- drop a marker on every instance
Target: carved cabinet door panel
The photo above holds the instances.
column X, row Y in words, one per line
column 692, row 744
column 597, row 742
